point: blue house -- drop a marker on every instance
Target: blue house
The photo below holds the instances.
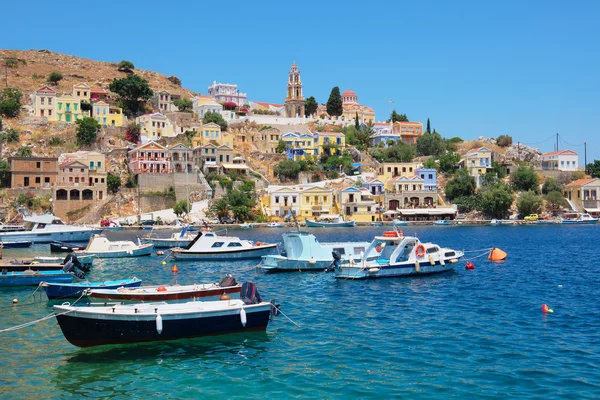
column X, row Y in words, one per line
column 429, row 176
column 375, row 186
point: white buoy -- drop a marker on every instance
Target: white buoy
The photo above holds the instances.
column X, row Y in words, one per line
column 243, row 316
column 312, row 261
column 417, row 266
column 15, row 301
column 159, row 326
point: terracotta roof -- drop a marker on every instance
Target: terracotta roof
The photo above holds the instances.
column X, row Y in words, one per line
column 349, row 93
column 331, row 133
column 556, row 153
column 581, row 182
column 98, row 90
column 407, row 123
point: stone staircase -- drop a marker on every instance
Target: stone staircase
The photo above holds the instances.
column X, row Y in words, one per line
column 196, row 183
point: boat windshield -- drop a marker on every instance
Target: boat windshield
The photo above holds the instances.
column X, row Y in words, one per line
column 28, row 225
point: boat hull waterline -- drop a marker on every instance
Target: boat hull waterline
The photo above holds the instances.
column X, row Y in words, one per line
column 94, row 326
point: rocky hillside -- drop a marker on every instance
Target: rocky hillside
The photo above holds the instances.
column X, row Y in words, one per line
column 34, row 66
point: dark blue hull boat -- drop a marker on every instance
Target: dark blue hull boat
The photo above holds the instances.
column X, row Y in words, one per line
column 74, row 290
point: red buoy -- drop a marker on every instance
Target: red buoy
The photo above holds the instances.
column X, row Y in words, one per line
column 161, row 289
column 470, row 265
column 175, row 269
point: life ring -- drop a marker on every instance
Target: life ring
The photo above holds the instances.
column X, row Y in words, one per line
column 420, row 251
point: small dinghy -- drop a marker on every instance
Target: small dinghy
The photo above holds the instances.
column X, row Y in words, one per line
column 16, row 244
column 62, row 247
column 33, row 278
column 101, row 247
column 44, row 264
column 147, row 322
column 65, row 290
column 274, row 225
column 442, row 222
column 329, row 221
column 177, row 239
column 227, row 287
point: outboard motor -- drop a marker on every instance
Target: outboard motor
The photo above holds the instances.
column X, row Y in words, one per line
column 337, row 259
column 249, row 294
column 227, row 280
column 69, row 265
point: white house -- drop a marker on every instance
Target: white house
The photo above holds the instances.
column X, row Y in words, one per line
column 563, row 160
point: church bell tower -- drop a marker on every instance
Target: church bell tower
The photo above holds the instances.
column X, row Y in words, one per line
column 294, row 102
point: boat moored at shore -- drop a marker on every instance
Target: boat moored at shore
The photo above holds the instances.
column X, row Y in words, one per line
column 329, row 221
column 101, row 247
column 578, row 218
column 209, row 246
column 48, row 228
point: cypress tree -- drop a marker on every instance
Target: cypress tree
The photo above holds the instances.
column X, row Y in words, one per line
column 356, row 123
column 334, row 104
column 428, row 126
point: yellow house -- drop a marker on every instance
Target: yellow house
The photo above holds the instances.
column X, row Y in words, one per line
column 154, row 126
column 115, row 116
column 478, row 162
column 583, row 195
column 211, row 132
column 44, row 103
column 315, row 201
column 387, row 171
column 300, row 145
column 81, row 91
column 330, row 142
column 357, row 203
column 68, row 108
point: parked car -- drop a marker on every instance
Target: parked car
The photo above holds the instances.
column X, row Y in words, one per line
column 227, row 220
column 531, row 217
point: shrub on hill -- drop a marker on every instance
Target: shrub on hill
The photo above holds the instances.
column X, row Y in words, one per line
column 87, row 131
column 496, row 201
column 288, row 169
column 216, row 118
column 132, row 133
column 461, row 185
column 11, row 135
column 504, row 140
column 126, row 66
column 113, row 182
column 524, row 179
column 529, row 203
column 131, row 90
column 183, row 104
column 551, row 185
column 54, row 77
column 555, row 201
column 174, row 80
column 24, row 152
column 10, row 102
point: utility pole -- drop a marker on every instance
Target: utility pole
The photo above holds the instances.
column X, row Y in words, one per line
column 187, row 194
column 585, row 157
column 556, row 141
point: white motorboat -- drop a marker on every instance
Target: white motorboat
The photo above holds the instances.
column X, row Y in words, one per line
column 210, row 246
column 577, row 218
column 245, row 225
column 101, row 247
column 84, row 259
column 177, row 239
column 48, row 228
column 302, row 252
column 398, row 256
column 274, row 225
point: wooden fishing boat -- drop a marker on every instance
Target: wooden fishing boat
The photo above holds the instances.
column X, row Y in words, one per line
column 66, row 290
column 205, row 292
column 146, row 322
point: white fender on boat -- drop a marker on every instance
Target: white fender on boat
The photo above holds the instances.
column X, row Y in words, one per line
column 312, row 261
column 373, row 270
column 442, row 262
column 417, row 266
column 243, row 316
column 159, row 326
column 431, row 260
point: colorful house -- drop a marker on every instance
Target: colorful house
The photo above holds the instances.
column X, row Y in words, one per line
column 429, row 176
column 98, row 94
column 563, row 160
column 212, row 157
column 153, row 127
column 391, row 170
column 82, row 91
column 408, row 132
column 100, row 112
column 68, row 108
column 115, row 116
column 332, row 141
column 583, row 195
column 409, row 192
column 203, row 104
column 315, row 201
column 44, row 103
column 357, row 203
column 283, row 201
column 149, row 158
column 478, row 162
column 300, row 145
column 375, row 186
column 210, row 133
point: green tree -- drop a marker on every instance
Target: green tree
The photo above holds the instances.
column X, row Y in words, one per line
column 525, row 178
column 181, row 208
column 449, row 162
column 499, row 170
column 220, row 207
column 10, row 135
column 428, row 126
column 551, row 185
column 356, row 122
column 215, row 118
column 113, row 182
column 396, row 152
column 462, row 184
column 24, row 152
column 395, row 117
column 131, row 90
column 126, row 66
column 310, row 106
column 288, row 169
column 10, row 102
column 334, row 104
column 529, row 203
column 594, row 169
column 4, row 174
column 87, row 131
column 555, row 201
column 504, row 140
column 0, row 124
column 467, row 204
column 54, row 77
column 281, row 146
column 497, row 200
column 430, row 163
column 184, row 104
column 431, row 144
column 242, row 204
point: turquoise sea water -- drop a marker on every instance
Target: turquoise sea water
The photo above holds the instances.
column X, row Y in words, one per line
column 464, row 334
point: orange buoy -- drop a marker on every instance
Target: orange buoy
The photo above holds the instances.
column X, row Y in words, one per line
column 392, row 234
column 546, row 309
column 175, row 269
column 470, row 265
column 497, row 255
column 258, row 243
column 224, row 296
column 160, row 253
column 161, row 289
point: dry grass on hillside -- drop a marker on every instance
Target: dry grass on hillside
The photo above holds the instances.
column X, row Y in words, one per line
column 36, row 65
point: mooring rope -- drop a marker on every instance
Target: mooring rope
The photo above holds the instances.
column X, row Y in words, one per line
column 289, row 319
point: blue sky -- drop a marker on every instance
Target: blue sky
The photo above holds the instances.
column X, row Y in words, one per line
column 524, row 68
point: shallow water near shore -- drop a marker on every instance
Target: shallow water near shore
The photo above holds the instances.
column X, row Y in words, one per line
column 462, row 334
